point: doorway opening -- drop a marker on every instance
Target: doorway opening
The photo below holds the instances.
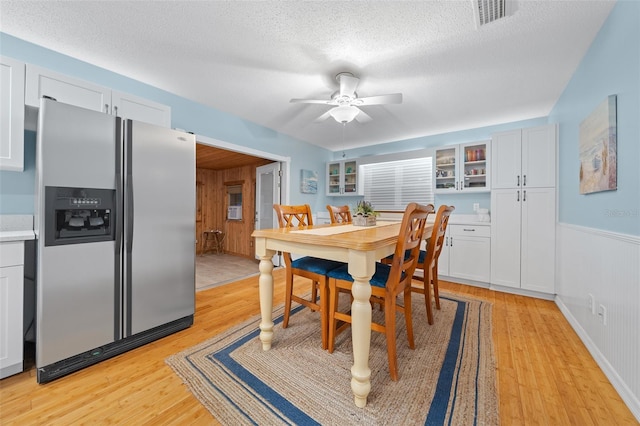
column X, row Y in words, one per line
column 226, row 174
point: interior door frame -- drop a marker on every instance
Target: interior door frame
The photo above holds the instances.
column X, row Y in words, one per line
column 285, row 162
column 275, row 197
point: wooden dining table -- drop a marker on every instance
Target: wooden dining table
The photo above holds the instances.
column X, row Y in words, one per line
column 358, row 246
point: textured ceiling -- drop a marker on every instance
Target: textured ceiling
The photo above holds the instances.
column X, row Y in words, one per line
column 249, row 58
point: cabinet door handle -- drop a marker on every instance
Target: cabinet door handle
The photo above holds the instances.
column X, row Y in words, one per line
column 115, row 111
column 451, row 242
column 468, row 229
column 518, row 181
column 106, row 108
column 456, row 185
column 524, row 180
column 518, row 197
column 524, row 195
column 461, row 185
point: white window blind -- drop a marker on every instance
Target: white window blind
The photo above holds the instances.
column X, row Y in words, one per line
column 394, row 184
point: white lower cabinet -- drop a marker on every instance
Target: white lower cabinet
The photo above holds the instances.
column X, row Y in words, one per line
column 467, row 253
column 11, row 308
column 523, row 238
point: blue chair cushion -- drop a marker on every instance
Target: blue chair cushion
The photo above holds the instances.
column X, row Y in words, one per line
column 421, row 257
column 379, row 279
column 316, row 265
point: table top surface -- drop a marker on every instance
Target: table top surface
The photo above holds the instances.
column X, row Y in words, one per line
column 356, row 238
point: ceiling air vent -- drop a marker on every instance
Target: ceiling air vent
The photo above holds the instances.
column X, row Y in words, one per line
column 487, row 11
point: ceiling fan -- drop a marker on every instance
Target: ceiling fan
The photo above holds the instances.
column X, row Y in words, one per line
column 346, row 101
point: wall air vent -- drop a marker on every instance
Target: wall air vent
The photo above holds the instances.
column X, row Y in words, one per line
column 487, row 11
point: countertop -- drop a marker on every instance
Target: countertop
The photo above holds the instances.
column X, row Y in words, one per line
column 454, row 219
column 16, row 228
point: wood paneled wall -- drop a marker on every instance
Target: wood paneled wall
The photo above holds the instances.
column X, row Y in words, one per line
column 212, row 208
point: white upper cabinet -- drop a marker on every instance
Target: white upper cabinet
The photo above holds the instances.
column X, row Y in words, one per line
column 342, row 178
column 140, row 109
column 43, row 82
column 524, row 158
column 11, row 114
column 463, row 168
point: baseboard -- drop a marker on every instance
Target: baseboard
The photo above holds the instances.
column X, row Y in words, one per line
column 616, row 381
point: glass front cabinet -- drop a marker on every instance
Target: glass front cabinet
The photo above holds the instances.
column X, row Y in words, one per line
column 342, row 178
column 463, row 168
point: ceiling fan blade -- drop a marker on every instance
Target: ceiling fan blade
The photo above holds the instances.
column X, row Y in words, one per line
column 393, row 98
column 363, row 117
column 322, row 117
column 348, row 84
column 313, row 101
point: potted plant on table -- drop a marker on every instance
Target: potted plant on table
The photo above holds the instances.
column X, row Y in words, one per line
column 365, row 215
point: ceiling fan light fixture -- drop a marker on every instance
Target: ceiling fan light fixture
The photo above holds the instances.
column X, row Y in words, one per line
column 344, row 114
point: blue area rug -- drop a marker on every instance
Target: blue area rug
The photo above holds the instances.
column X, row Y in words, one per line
column 448, row 379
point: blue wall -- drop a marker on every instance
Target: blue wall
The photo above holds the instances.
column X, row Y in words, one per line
column 610, row 67
column 185, row 114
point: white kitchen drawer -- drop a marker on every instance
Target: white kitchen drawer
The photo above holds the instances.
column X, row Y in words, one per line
column 11, row 253
column 469, row 231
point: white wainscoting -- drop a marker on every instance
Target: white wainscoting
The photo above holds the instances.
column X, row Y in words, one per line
column 606, row 265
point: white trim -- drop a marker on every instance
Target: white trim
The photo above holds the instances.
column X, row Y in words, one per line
column 628, row 238
column 286, row 161
column 396, row 156
column 616, row 381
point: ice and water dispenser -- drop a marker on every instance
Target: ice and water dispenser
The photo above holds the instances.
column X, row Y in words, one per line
column 79, row 215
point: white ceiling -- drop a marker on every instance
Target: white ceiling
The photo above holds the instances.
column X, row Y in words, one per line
column 249, row 58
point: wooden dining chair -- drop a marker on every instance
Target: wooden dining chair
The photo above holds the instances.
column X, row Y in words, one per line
column 388, row 282
column 428, row 262
column 340, row 214
column 313, row 268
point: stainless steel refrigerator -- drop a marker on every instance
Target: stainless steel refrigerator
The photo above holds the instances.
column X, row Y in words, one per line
column 115, row 229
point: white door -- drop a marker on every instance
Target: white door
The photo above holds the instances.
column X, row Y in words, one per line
column 506, row 154
column 538, row 239
column 505, row 237
column 267, row 194
column 539, row 157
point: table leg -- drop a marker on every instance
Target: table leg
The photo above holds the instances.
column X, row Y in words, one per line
column 361, row 329
column 265, row 284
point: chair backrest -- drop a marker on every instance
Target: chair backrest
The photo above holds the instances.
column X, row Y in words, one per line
column 340, row 214
column 292, row 216
column 434, row 248
column 405, row 258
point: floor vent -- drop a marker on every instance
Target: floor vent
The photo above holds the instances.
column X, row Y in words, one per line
column 487, row 11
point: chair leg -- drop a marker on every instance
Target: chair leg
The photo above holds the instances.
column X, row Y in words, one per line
column 434, row 280
column 390, row 332
column 408, row 318
column 333, row 306
column 427, row 295
column 287, row 299
column 314, row 292
column 324, row 312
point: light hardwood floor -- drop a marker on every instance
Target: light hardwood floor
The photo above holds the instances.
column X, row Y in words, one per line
column 545, row 374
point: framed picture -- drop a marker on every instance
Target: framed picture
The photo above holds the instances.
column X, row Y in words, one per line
column 308, row 182
column 598, row 140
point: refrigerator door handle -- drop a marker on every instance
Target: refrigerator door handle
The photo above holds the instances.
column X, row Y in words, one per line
column 117, row 326
column 129, row 238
